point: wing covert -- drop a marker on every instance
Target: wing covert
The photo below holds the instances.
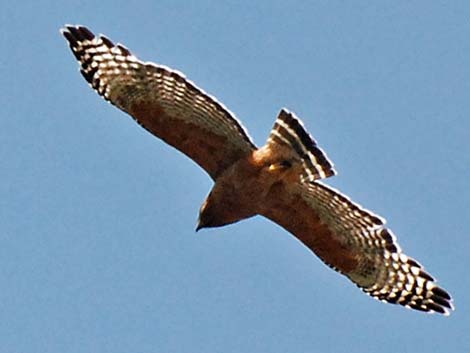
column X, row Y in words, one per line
column 163, row 101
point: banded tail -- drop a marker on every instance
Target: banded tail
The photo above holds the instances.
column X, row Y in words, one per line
column 289, row 131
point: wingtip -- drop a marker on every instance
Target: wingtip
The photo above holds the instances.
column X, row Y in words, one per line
column 76, row 32
column 65, row 29
column 68, row 28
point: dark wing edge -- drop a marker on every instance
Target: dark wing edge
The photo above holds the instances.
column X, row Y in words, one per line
column 162, row 100
column 356, row 243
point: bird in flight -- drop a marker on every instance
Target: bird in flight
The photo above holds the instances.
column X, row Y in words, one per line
column 280, row 181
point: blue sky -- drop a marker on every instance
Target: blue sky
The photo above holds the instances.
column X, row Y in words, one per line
column 97, row 245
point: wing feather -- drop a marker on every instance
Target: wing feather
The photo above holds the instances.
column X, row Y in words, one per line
column 163, row 101
column 355, row 242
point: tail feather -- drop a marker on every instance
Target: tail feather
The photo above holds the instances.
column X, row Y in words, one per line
column 289, row 130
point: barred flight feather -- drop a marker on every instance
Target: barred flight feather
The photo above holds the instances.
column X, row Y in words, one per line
column 383, row 270
column 161, row 99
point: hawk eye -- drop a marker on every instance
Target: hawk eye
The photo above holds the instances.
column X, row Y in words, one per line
column 286, row 164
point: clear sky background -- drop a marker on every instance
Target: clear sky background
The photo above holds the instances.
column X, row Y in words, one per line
column 97, row 245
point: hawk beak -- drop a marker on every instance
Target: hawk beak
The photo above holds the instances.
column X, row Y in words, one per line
column 199, row 225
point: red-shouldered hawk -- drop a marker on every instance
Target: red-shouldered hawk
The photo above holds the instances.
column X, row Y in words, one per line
column 279, row 181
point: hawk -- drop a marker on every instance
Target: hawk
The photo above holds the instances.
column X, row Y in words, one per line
column 280, row 181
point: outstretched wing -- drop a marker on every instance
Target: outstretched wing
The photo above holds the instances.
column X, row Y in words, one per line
column 161, row 100
column 356, row 243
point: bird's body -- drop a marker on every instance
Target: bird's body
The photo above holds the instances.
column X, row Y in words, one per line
column 279, row 180
column 245, row 188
